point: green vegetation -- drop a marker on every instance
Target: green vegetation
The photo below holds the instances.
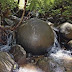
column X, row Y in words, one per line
column 51, row 7
column 7, row 4
column 41, row 6
column 45, row 8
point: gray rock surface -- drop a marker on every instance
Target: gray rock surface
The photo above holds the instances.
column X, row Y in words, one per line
column 6, row 62
column 36, row 36
column 66, row 30
column 19, row 54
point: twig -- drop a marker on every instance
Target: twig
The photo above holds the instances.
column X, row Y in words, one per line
column 21, row 17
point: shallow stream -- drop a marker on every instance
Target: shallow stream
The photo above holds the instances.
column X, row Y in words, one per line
column 60, row 58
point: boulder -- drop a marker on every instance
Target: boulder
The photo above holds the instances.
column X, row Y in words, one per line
column 66, row 30
column 36, row 36
column 19, row 54
column 6, row 62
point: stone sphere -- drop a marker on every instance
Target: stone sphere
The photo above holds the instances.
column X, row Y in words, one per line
column 36, row 36
column 66, row 30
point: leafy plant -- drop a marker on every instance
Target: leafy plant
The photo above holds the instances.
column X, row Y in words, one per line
column 40, row 5
column 7, row 4
column 52, row 7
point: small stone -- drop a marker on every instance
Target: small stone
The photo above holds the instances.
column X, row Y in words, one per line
column 19, row 54
column 70, row 43
column 66, row 30
column 44, row 64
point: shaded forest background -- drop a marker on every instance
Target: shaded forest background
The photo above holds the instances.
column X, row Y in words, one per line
column 55, row 11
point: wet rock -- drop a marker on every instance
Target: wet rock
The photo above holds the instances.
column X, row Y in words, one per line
column 6, row 62
column 66, row 30
column 43, row 63
column 9, row 22
column 36, row 36
column 50, row 24
column 19, row 54
column 56, row 63
column 69, row 45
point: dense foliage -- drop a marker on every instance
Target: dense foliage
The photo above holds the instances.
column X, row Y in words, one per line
column 7, row 5
column 51, row 7
column 45, row 8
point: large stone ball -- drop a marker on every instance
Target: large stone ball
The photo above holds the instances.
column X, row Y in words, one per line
column 66, row 30
column 35, row 36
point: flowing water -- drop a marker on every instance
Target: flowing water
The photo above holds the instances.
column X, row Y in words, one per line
column 10, row 42
column 57, row 54
column 60, row 58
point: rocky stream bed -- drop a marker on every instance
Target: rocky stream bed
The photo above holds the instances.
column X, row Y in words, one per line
column 37, row 46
